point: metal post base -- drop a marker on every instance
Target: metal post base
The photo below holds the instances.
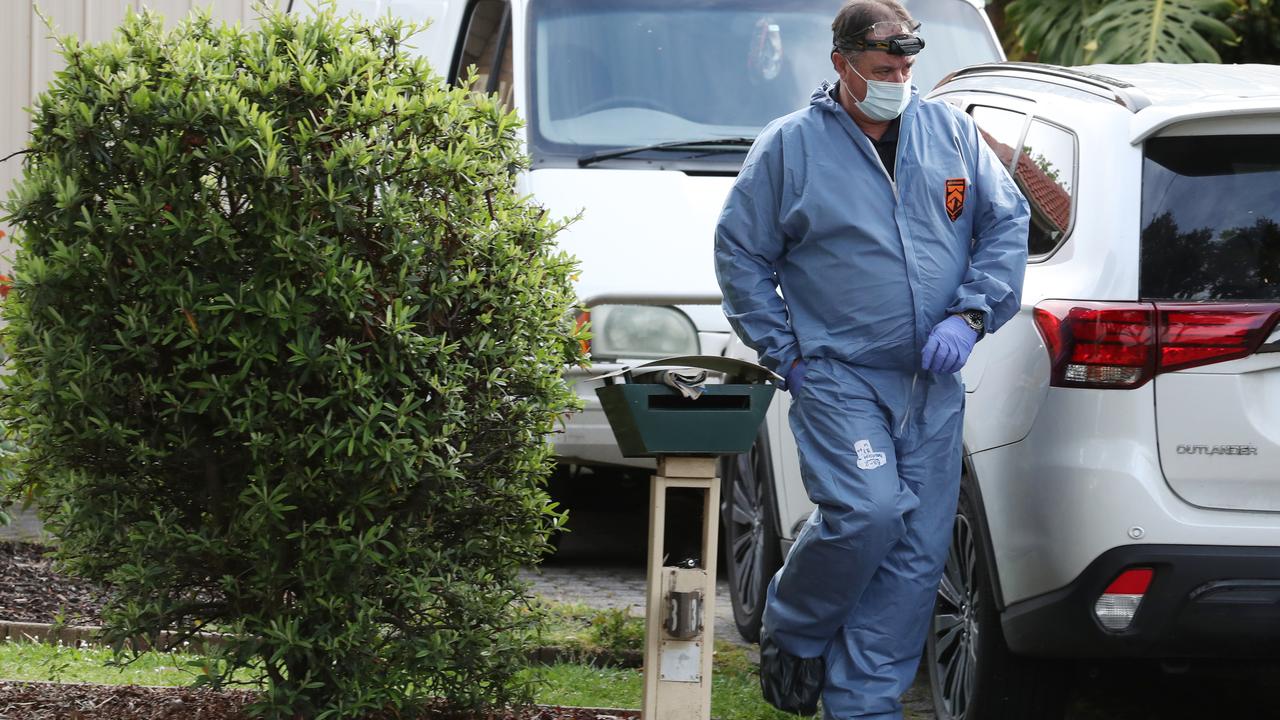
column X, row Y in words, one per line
column 680, row 607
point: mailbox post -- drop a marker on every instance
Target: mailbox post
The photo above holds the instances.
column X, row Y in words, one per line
column 680, row 601
column 674, row 416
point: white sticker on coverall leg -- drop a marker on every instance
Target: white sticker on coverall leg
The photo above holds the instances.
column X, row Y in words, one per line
column 868, row 459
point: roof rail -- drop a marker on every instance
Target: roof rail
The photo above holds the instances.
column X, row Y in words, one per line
column 1119, row 91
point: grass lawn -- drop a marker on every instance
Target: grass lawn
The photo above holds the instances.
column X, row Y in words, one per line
column 735, row 688
column 735, row 691
column 57, row 663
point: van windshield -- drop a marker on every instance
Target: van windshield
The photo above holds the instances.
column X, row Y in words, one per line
column 1211, row 218
column 630, row 73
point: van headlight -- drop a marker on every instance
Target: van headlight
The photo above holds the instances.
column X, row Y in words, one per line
column 640, row 332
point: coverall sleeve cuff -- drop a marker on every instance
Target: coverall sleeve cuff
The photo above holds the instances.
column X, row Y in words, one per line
column 783, row 365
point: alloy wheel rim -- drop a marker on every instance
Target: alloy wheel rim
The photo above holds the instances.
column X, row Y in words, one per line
column 955, row 624
column 747, row 535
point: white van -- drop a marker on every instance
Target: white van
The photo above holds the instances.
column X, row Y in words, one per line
column 638, row 115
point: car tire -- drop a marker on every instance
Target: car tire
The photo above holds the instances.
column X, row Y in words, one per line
column 752, row 549
column 972, row 673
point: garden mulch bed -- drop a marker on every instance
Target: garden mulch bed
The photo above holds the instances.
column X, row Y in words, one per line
column 55, row 701
column 32, row 591
column 50, row 701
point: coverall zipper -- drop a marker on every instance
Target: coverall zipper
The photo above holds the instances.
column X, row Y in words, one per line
column 893, row 185
column 911, row 399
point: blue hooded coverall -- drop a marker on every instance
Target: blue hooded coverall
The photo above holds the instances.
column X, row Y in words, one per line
column 868, row 266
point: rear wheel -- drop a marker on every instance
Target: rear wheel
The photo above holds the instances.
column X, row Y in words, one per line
column 752, row 551
column 972, row 673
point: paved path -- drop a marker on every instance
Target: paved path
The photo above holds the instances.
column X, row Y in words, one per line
column 25, row 527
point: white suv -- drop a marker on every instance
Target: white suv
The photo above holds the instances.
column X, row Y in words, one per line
column 1121, row 495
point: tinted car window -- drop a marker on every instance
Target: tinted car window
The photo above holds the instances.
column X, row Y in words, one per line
column 1002, row 129
column 1044, row 171
column 1046, row 174
column 1211, row 218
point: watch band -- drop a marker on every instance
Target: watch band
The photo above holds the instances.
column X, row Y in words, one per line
column 974, row 319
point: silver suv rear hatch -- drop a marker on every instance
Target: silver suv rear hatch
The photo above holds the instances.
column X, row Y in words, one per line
column 1210, row 262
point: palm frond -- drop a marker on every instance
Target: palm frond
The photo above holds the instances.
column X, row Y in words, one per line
column 1055, row 30
column 1133, row 31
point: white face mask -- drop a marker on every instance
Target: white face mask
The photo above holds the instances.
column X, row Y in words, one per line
column 885, row 100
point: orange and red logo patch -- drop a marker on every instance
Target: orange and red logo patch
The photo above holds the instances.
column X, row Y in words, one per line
column 955, row 197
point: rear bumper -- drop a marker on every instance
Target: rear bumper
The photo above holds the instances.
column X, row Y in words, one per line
column 1203, row 602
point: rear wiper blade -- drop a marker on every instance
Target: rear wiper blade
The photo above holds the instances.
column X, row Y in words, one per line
column 595, row 157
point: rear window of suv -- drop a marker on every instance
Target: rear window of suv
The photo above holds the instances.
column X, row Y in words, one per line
column 1211, row 218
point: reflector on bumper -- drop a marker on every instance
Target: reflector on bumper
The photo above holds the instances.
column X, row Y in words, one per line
column 1118, row 604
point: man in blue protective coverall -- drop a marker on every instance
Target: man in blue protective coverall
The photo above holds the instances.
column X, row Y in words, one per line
column 897, row 240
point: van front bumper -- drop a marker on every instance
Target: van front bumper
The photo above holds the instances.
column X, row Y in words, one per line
column 586, row 438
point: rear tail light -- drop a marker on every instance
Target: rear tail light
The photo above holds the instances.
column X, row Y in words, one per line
column 1093, row 344
column 1117, row 605
column 1193, row 335
column 1124, row 344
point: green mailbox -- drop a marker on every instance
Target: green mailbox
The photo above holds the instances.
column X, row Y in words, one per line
column 661, row 408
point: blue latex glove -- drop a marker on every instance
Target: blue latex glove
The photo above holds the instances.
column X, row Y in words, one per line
column 949, row 345
column 795, row 378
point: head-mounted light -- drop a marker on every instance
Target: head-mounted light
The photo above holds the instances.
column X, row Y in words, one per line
column 892, row 36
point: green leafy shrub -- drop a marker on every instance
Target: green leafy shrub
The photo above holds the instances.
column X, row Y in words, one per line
column 10, row 496
column 1256, row 24
column 287, row 348
column 617, row 631
column 10, row 493
column 581, row 633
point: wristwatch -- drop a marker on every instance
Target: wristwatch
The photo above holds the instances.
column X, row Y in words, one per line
column 974, row 319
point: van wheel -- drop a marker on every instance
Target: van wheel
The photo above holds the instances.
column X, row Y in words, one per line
column 752, row 550
column 972, row 673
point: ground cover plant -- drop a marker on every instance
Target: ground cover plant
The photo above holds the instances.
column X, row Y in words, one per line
column 609, row 636
column 286, row 348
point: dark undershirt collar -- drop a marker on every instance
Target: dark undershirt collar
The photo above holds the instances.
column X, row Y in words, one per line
column 887, row 146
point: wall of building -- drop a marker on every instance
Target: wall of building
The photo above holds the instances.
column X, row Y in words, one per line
column 29, row 58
